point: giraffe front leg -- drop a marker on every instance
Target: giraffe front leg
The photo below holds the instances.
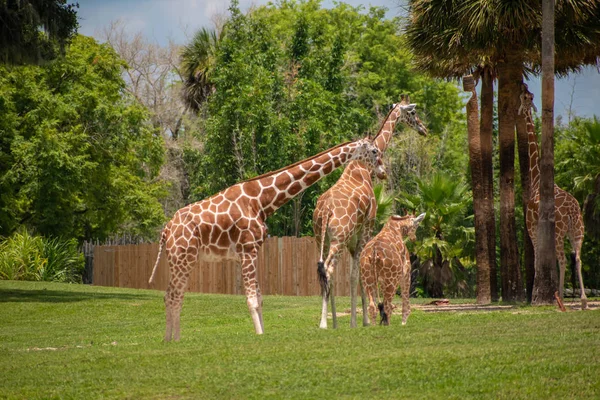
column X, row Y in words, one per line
column 354, row 275
column 178, row 277
column 365, row 236
column 363, row 298
column 253, row 295
column 173, row 304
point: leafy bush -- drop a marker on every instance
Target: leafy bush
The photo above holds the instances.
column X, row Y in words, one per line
column 26, row 257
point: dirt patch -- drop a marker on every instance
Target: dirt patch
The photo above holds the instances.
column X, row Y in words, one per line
column 447, row 306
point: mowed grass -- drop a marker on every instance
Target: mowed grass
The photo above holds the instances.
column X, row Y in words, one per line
column 74, row 341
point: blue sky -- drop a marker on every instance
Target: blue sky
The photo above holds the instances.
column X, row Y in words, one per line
column 161, row 20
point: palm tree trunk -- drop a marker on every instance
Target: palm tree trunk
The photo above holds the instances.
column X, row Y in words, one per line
column 486, row 131
column 481, row 243
column 528, row 253
column 509, row 74
column 544, row 283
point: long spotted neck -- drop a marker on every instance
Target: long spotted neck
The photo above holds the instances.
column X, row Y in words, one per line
column 384, row 136
column 534, row 166
column 274, row 189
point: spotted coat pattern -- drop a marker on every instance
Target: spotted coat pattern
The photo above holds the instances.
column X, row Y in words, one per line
column 231, row 225
column 385, row 263
column 568, row 219
column 345, row 214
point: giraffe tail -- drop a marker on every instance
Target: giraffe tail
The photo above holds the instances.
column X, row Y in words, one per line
column 321, row 264
column 163, row 239
column 383, row 314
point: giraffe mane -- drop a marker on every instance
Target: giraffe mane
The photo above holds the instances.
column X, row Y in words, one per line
column 383, row 123
column 296, row 163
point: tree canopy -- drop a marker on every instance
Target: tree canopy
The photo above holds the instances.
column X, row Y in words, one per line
column 77, row 156
column 33, row 31
column 292, row 79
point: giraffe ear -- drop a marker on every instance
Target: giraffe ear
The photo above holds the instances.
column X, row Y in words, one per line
column 418, row 220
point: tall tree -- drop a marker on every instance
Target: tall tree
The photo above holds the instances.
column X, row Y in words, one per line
column 460, row 35
column 545, row 282
column 291, row 79
column 475, row 161
column 33, row 31
column 197, row 64
column 77, row 158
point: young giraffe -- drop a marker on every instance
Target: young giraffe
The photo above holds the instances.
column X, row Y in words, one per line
column 567, row 213
column 386, row 260
column 231, row 224
column 346, row 212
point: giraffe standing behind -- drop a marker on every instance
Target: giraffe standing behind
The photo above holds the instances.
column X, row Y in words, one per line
column 345, row 214
column 385, row 260
column 567, row 214
column 231, row 225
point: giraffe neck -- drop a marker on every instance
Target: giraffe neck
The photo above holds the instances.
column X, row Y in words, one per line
column 534, row 167
column 384, row 136
column 274, row 189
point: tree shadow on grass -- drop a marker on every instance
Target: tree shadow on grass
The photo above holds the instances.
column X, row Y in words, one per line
column 59, row 296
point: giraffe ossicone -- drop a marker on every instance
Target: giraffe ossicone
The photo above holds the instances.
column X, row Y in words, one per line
column 385, row 262
column 231, row 224
column 345, row 214
column 567, row 214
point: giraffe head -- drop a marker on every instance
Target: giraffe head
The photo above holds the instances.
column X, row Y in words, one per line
column 407, row 224
column 371, row 156
column 526, row 100
column 408, row 114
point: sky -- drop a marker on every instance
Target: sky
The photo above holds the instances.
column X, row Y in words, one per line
column 177, row 20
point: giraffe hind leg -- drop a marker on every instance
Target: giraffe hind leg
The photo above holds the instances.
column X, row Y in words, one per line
column 173, row 304
column 577, row 247
column 323, row 277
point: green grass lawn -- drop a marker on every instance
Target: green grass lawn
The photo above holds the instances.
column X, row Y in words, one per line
column 75, row 341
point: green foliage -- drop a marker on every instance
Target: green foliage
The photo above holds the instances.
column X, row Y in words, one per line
column 292, row 79
column 446, row 235
column 35, row 258
column 197, row 63
column 577, row 158
column 385, row 205
column 77, row 157
column 34, row 31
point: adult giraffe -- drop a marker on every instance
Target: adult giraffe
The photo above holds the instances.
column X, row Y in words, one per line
column 231, row 224
column 566, row 208
column 346, row 213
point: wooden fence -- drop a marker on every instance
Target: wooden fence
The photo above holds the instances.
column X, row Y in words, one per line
column 286, row 266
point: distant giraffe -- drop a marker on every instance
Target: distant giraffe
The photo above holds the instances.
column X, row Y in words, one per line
column 567, row 213
column 231, row 224
column 345, row 214
column 386, row 261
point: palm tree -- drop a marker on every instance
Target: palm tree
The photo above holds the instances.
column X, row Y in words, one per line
column 385, row 204
column 454, row 37
column 197, row 62
column 444, row 237
column 481, row 243
column 545, row 278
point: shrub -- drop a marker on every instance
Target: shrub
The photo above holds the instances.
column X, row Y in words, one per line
column 26, row 257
